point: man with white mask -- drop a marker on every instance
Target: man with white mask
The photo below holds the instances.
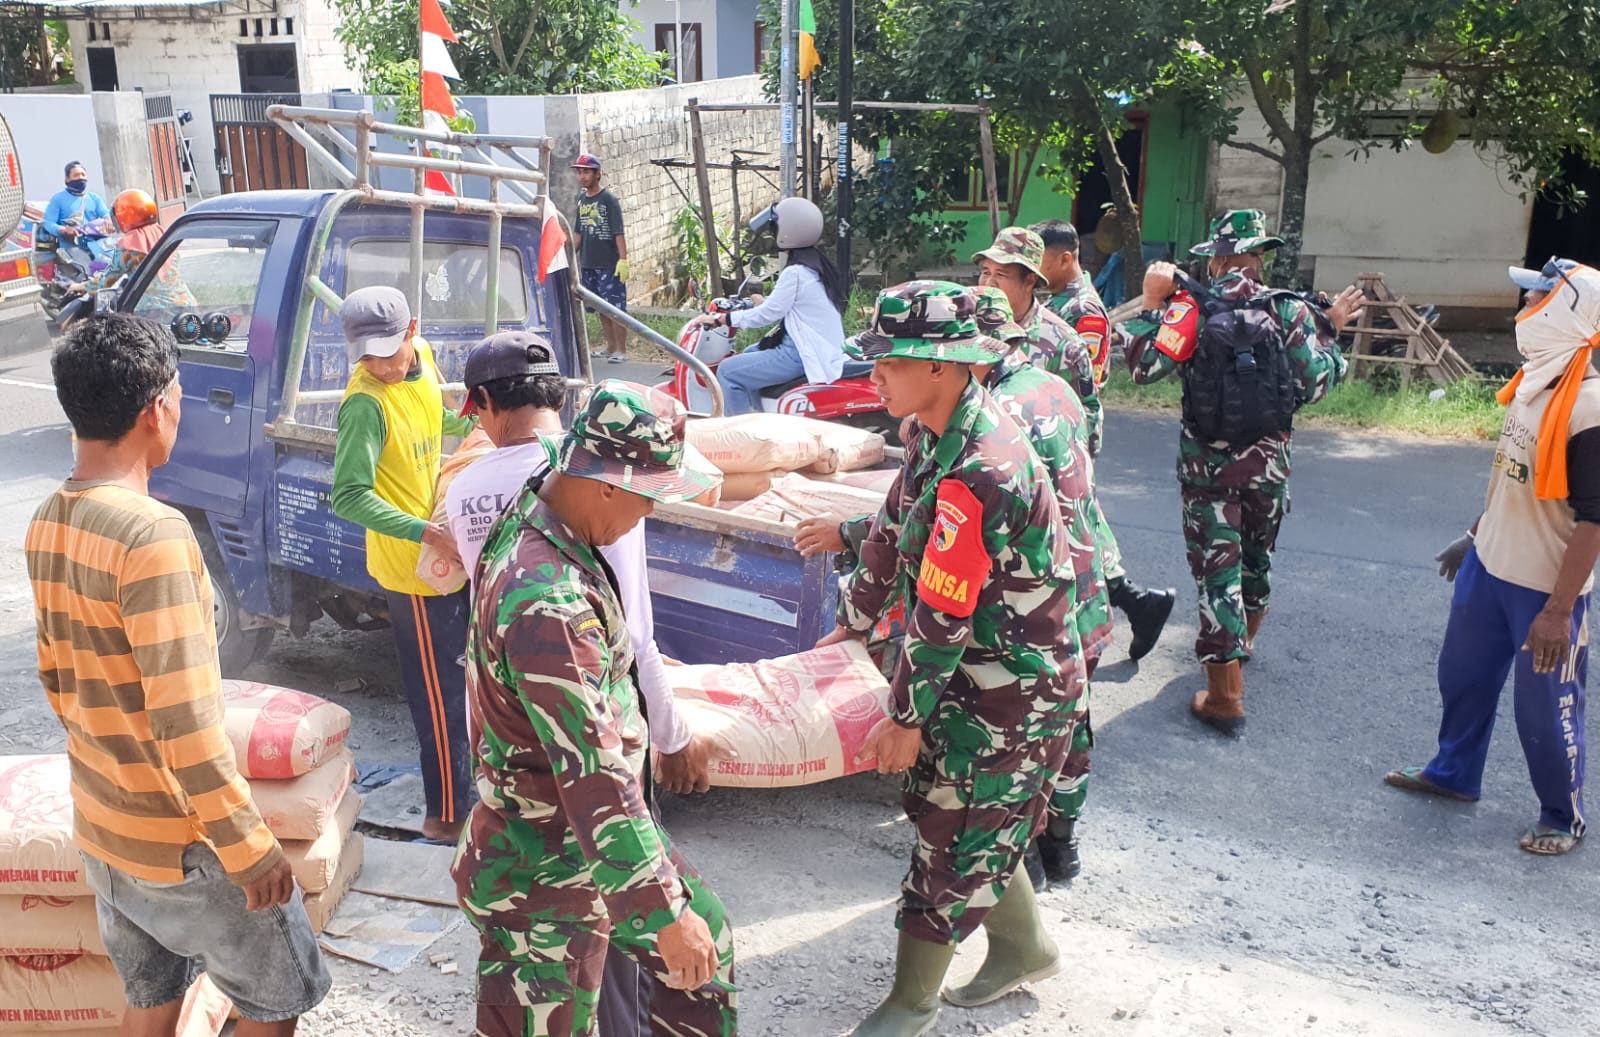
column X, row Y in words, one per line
column 1523, row 571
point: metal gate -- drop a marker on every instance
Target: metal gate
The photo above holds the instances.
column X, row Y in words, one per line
column 166, row 156
column 253, row 154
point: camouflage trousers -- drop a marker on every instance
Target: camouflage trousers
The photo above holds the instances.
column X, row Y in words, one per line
column 977, row 797
column 543, row 938
column 1072, row 786
column 1110, row 553
column 1229, row 535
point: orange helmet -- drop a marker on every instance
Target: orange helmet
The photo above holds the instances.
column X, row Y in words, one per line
column 134, row 209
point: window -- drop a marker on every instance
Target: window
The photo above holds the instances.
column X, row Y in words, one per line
column 761, row 44
column 967, row 190
column 685, row 67
column 206, row 275
column 454, row 281
column 102, row 68
column 268, row 68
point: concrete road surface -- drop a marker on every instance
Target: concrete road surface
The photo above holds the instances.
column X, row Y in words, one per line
column 1268, row 886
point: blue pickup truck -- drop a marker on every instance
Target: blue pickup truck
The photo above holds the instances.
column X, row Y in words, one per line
column 251, row 283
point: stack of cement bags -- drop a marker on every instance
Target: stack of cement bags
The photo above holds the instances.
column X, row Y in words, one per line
column 55, row 980
column 754, row 451
column 290, row 746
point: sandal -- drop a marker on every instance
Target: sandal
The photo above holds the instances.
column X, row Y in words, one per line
column 1556, row 841
column 1410, row 779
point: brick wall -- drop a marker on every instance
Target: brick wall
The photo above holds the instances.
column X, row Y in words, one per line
column 628, row 128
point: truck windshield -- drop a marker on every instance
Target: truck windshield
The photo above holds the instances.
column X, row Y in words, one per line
column 206, row 280
column 455, row 278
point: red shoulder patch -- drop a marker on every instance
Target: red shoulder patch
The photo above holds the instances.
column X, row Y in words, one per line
column 954, row 564
column 1180, row 328
column 1095, row 331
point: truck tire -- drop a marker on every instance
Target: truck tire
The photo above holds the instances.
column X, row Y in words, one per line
column 236, row 646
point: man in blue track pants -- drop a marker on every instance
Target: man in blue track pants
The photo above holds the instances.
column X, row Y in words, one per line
column 1524, row 571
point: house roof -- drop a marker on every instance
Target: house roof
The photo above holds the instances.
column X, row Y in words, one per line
column 96, row 8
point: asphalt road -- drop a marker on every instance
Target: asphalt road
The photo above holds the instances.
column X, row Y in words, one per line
column 1266, row 886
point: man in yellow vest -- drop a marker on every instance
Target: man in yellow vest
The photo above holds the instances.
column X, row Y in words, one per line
column 391, row 425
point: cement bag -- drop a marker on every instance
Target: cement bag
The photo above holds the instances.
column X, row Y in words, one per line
column 315, row 861
column 878, row 480
column 321, row 906
column 447, row 575
column 36, row 850
column 796, row 720
column 43, row 993
column 35, row 924
column 278, row 733
column 841, row 448
column 794, row 497
column 754, row 442
column 303, row 807
column 695, row 461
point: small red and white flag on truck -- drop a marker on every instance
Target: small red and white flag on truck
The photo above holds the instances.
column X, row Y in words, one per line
column 438, row 105
column 552, row 242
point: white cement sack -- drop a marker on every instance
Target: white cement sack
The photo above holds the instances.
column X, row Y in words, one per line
column 278, row 733
column 43, row 993
column 754, row 442
column 303, row 807
column 841, row 448
column 796, row 720
column 743, row 486
column 794, row 497
column 38, row 924
column 321, row 906
column 316, row 861
column 447, row 575
column 36, row 850
column 877, row 480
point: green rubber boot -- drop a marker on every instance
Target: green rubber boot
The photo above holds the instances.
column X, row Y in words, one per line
column 913, row 1001
column 1019, row 949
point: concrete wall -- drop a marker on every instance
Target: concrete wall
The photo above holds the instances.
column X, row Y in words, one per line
column 736, row 38
column 192, row 56
column 1441, row 228
column 629, row 128
column 124, row 142
column 52, row 130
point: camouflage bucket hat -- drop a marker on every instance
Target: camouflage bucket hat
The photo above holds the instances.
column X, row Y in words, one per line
column 921, row 320
column 631, row 437
column 1017, row 245
column 995, row 318
column 1236, row 232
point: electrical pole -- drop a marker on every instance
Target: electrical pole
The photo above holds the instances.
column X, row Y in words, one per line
column 847, row 62
column 786, row 95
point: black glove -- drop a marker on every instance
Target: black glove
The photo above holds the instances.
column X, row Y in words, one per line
column 1451, row 557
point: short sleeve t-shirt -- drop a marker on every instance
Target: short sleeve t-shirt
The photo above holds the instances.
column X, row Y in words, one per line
column 599, row 225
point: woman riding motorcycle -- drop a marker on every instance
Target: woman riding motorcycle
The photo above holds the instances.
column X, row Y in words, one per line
column 808, row 301
column 137, row 217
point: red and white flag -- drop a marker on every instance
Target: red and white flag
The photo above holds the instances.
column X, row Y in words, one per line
column 552, row 242
column 437, row 66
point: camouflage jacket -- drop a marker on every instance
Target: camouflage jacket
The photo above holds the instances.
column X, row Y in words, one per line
column 1313, row 354
column 561, row 741
column 971, row 534
column 1077, row 301
column 1047, row 410
column 1054, row 346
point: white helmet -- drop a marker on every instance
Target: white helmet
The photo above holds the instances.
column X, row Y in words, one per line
column 799, row 223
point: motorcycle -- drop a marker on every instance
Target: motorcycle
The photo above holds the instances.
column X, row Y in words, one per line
column 851, row 400
column 72, row 262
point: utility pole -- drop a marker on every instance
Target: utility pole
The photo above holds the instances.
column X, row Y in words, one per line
column 847, row 62
column 786, row 95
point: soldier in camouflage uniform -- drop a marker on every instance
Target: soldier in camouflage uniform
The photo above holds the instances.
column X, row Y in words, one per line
column 1015, row 265
column 562, row 855
column 1073, row 297
column 1234, row 497
column 1046, row 408
column 988, row 686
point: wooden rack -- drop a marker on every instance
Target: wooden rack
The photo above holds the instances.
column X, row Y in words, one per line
column 1426, row 349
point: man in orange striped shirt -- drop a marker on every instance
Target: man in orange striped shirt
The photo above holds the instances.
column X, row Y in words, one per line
column 181, row 864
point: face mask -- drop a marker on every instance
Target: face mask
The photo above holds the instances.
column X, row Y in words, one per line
column 77, row 186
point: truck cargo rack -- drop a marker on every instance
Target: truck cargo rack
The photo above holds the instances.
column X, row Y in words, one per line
column 515, row 182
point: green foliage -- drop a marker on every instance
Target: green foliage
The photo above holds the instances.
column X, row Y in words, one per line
column 505, row 46
column 28, row 47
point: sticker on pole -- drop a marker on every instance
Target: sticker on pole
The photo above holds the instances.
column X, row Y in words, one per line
column 11, row 196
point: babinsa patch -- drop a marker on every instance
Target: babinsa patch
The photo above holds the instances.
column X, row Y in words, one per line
column 955, row 563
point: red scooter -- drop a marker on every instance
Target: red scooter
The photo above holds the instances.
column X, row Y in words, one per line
column 852, row 400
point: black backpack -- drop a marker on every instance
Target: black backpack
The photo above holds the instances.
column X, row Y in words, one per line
column 1238, row 385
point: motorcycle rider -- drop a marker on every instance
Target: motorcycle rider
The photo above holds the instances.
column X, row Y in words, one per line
column 71, row 208
column 137, row 217
column 806, row 303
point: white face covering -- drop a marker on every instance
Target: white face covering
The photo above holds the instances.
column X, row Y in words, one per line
column 1556, row 329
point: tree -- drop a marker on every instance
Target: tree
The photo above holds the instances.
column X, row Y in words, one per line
column 1522, row 71
column 28, row 47
column 506, row 46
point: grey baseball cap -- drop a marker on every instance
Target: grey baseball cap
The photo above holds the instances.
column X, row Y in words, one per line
column 375, row 321
column 509, row 354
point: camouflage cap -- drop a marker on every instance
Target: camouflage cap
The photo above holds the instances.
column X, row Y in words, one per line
column 995, row 316
column 921, row 320
column 631, row 436
column 1017, row 245
column 1236, row 232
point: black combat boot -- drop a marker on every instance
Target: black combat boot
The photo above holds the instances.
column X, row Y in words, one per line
column 1057, row 847
column 1147, row 611
column 1033, row 864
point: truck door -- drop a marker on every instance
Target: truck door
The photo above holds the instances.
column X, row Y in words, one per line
column 202, row 281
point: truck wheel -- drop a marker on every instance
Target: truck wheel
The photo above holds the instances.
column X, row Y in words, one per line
column 236, row 646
